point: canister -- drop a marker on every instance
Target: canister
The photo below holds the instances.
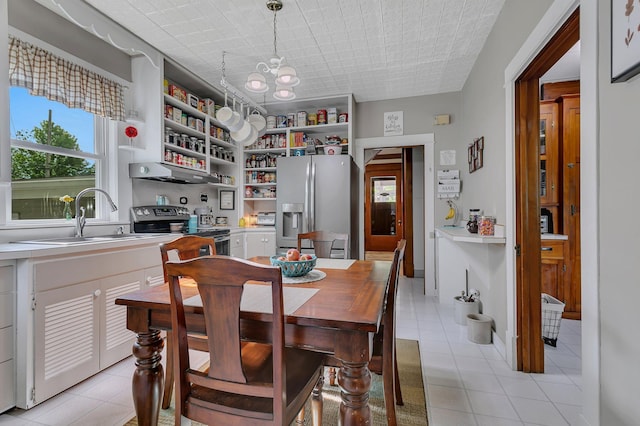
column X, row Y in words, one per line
column 486, row 225
column 271, row 121
column 332, row 116
column 292, row 120
column 281, row 121
column 302, row 118
column 312, row 119
column 322, row 116
column 343, row 117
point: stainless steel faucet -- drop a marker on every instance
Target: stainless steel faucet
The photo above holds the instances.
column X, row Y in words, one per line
column 80, row 219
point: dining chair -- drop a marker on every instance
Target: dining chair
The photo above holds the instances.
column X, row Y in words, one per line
column 185, row 247
column 323, row 242
column 383, row 359
column 248, row 383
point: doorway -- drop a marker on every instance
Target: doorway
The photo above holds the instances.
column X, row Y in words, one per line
column 383, row 212
column 529, row 345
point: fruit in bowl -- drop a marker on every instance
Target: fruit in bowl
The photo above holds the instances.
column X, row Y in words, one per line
column 292, row 255
column 295, row 268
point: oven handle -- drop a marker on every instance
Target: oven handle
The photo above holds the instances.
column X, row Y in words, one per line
column 222, row 239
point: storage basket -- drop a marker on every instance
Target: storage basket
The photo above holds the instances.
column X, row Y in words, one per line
column 552, row 310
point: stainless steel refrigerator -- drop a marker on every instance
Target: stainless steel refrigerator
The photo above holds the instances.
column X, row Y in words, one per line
column 316, row 193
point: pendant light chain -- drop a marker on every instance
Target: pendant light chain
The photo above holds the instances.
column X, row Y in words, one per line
column 275, row 36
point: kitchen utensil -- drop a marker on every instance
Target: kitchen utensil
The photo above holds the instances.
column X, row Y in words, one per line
column 259, row 122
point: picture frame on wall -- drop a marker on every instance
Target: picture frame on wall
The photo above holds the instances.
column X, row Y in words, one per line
column 227, row 200
column 625, row 40
column 475, row 154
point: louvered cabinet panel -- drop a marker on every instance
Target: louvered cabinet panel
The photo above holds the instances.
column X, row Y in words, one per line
column 154, row 276
column 7, row 332
column 66, row 338
column 115, row 340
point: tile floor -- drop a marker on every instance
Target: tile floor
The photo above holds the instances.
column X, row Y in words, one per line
column 465, row 383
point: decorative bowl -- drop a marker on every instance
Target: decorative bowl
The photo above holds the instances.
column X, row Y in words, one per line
column 332, row 150
column 297, row 268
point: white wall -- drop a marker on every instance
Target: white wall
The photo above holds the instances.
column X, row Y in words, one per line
column 618, row 151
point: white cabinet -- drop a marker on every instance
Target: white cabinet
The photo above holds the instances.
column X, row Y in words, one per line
column 260, row 244
column 7, row 344
column 237, row 244
column 77, row 328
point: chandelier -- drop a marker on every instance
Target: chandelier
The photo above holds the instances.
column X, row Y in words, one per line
column 285, row 75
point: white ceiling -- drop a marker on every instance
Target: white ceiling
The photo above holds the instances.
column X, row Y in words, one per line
column 375, row 49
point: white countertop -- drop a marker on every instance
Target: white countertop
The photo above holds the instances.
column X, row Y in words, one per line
column 553, row 237
column 9, row 251
column 459, row 234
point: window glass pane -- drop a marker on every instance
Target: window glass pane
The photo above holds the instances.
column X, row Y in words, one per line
column 384, row 190
column 30, row 115
column 58, row 162
column 36, row 188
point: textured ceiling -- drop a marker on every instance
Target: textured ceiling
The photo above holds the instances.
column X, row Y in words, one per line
column 375, row 49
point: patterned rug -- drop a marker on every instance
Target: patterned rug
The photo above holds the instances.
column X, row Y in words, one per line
column 414, row 411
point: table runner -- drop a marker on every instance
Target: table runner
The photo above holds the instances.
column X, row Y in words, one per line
column 334, row 263
column 257, row 298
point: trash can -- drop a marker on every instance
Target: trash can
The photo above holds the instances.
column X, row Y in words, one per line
column 552, row 310
column 462, row 309
column 479, row 328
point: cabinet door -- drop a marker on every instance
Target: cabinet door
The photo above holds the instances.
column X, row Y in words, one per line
column 237, row 245
column 254, row 244
column 66, row 337
column 153, row 276
column 7, row 331
column 269, row 244
column 115, row 339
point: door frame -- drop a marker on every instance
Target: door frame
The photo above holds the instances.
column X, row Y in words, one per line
column 377, row 171
column 427, row 141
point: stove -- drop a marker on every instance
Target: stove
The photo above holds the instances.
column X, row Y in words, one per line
column 158, row 219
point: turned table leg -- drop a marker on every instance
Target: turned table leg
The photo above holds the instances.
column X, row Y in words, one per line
column 354, row 380
column 148, row 379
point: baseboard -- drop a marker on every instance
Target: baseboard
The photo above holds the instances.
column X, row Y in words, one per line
column 498, row 345
column 418, row 273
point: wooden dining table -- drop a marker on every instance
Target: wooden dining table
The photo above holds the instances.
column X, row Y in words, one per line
column 340, row 318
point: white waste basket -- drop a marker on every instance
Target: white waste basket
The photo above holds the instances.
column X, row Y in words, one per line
column 462, row 309
column 479, row 328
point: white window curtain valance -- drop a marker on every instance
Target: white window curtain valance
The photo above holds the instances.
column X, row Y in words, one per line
column 46, row 74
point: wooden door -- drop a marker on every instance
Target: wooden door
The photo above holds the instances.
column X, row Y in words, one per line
column 383, row 210
column 571, row 200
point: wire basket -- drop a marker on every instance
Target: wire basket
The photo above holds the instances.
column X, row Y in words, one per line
column 296, row 268
column 552, row 310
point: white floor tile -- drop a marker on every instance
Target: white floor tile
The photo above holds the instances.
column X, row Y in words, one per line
column 562, row 393
column 106, row 414
column 571, row 413
column 538, row 412
column 67, row 413
column 442, row 417
column 442, row 377
column 449, row 398
column 491, row 404
column 481, row 382
column 522, row 388
column 496, row 421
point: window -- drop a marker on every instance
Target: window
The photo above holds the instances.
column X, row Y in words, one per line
column 59, row 114
column 53, row 154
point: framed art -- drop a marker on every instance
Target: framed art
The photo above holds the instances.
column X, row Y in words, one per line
column 475, row 154
column 625, row 40
column 227, row 200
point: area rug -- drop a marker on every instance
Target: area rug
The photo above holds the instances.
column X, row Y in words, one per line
column 413, row 412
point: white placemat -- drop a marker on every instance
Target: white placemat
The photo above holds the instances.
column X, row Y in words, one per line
column 257, row 298
column 334, row 263
column 313, row 275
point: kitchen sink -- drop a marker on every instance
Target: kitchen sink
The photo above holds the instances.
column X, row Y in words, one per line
column 67, row 241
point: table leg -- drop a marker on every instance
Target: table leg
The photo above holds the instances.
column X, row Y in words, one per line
column 148, row 379
column 354, row 380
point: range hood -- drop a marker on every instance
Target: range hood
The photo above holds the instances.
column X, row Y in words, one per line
column 168, row 173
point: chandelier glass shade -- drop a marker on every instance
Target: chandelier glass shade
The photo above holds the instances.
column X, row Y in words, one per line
column 285, row 75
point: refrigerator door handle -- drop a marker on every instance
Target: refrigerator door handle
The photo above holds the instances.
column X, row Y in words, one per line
column 305, row 219
column 312, row 202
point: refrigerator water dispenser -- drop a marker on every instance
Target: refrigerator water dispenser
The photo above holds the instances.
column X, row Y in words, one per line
column 292, row 219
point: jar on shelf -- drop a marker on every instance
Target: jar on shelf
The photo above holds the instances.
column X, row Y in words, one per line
column 486, row 225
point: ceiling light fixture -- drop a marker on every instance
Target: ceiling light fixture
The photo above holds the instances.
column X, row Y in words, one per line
column 285, row 75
